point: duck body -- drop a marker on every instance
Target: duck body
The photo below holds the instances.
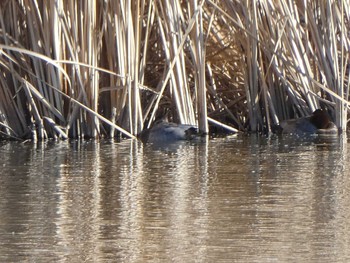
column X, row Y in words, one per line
column 298, row 126
column 167, row 132
column 318, row 123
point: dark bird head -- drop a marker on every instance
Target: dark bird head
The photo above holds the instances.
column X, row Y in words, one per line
column 320, row 119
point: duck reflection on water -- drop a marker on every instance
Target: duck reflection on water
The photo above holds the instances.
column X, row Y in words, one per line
column 168, row 132
column 317, row 123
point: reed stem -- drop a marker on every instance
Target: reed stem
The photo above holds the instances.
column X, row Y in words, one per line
column 110, row 68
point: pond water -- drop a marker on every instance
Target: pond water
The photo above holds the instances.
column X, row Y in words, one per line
column 233, row 199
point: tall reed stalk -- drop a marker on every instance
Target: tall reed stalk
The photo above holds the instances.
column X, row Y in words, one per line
column 95, row 68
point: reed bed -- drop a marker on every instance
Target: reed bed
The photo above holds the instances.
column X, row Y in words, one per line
column 93, row 68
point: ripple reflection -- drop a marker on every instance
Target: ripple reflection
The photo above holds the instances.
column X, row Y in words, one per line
column 244, row 199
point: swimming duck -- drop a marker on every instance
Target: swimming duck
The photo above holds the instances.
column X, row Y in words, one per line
column 169, row 132
column 318, row 123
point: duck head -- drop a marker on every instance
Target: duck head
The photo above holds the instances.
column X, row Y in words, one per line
column 320, row 119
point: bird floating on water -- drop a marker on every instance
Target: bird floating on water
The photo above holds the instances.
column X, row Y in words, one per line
column 167, row 132
column 317, row 123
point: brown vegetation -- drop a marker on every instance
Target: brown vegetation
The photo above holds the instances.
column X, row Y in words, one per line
column 103, row 68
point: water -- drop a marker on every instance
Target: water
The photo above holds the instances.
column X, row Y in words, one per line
column 233, row 199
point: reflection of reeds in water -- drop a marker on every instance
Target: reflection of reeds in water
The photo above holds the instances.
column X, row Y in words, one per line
column 90, row 68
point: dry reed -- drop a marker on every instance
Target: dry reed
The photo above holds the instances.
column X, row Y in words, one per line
column 96, row 68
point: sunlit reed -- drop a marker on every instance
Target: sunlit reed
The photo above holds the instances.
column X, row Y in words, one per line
column 77, row 69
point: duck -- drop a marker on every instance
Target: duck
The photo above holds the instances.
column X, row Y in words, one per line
column 168, row 132
column 317, row 123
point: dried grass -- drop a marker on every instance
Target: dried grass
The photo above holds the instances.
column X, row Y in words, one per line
column 109, row 68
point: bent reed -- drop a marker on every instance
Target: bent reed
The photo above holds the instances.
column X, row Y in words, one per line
column 93, row 68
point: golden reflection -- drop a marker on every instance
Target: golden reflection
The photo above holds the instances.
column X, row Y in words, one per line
column 79, row 202
column 246, row 198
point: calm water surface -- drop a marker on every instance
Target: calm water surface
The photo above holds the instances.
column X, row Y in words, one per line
column 234, row 199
